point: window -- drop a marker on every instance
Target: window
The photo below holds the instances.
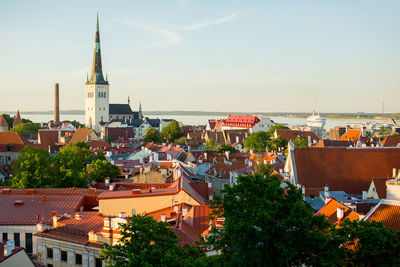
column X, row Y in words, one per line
column 64, row 255
column 5, row 237
column 49, row 253
column 78, row 259
column 98, row 263
column 17, row 239
column 28, row 242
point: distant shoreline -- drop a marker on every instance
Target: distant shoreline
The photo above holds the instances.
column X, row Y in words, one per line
column 352, row 116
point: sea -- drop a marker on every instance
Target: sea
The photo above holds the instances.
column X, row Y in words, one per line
column 202, row 119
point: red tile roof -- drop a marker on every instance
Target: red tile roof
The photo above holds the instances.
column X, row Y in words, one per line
column 241, row 121
column 334, row 143
column 330, row 211
column 292, row 134
column 351, row 135
column 393, row 140
column 76, row 231
column 17, row 119
column 344, row 169
column 3, row 122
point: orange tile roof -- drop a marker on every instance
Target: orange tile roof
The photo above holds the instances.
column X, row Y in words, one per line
column 80, row 135
column 387, row 212
column 330, row 211
column 13, row 141
column 351, row 135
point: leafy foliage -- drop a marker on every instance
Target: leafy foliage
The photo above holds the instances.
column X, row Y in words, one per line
column 152, row 135
column 180, row 140
column 211, row 146
column 224, row 148
column 300, row 141
column 278, row 144
column 146, row 242
column 272, row 129
column 32, row 169
column 266, row 225
column 171, row 132
column 100, row 169
column 27, row 127
column 262, row 168
column 257, row 141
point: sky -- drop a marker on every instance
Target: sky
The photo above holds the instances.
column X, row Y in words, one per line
column 208, row 55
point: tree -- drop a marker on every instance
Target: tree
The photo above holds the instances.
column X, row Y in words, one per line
column 211, row 146
column 300, row 141
column 32, row 169
column 268, row 225
column 278, row 144
column 224, row 148
column 25, row 128
column 257, row 141
column 367, row 243
column 272, row 129
column 180, row 140
column 262, row 168
column 146, row 242
column 171, row 132
column 100, row 169
column 152, row 135
column 71, row 163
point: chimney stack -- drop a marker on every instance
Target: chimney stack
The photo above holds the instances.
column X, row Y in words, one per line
column 57, row 104
column 340, row 214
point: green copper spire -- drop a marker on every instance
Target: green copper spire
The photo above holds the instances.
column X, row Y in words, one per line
column 140, row 110
column 97, row 71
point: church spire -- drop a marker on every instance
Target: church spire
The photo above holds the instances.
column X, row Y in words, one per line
column 97, row 71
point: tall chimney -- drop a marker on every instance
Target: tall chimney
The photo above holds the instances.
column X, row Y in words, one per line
column 57, row 104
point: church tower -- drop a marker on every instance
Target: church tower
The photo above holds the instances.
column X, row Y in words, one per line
column 96, row 90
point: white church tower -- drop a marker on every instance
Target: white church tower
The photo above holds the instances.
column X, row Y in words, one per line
column 96, row 90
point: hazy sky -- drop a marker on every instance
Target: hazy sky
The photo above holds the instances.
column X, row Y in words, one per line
column 299, row 55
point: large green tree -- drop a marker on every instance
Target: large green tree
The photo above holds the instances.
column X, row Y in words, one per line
column 211, row 146
column 71, row 162
column 32, row 169
column 171, row 132
column 27, row 127
column 152, row 135
column 146, row 242
column 257, row 141
column 268, row 225
column 224, row 148
column 100, row 169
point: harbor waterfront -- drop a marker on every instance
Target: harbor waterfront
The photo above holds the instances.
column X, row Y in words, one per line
column 202, row 119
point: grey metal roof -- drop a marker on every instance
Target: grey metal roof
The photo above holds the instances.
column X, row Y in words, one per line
column 120, row 109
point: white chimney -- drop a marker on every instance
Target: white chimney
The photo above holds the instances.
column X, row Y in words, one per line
column 163, row 219
column 364, row 195
column 237, row 139
column 309, row 140
column 227, row 154
column 394, row 172
column 364, row 131
column 326, row 188
column 59, row 136
column 107, row 181
column 9, row 247
column 111, row 187
column 205, row 155
column 340, row 214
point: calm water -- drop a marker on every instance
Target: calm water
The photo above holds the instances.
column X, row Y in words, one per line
column 202, row 119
